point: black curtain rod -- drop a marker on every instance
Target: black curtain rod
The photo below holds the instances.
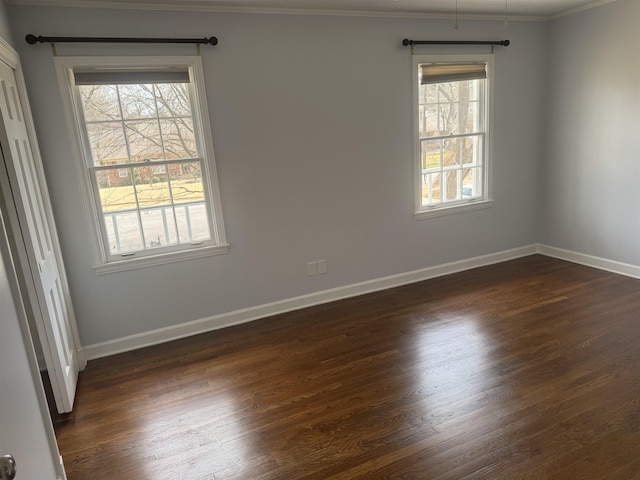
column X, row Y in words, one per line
column 32, row 40
column 503, row 43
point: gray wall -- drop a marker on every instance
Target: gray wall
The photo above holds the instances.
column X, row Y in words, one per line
column 591, row 190
column 5, row 29
column 312, row 122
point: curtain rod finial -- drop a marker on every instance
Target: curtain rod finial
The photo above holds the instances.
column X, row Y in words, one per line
column 31, row 39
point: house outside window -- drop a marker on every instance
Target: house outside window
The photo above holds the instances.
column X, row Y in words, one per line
column 452, row 133
column 146, row 155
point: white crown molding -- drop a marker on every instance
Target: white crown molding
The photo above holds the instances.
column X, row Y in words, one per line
column 203, row 7
column 196, row 6
column 199, row 7
column 589, row 6
column 246, row 315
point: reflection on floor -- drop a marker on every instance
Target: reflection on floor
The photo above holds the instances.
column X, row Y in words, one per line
column 527, row 369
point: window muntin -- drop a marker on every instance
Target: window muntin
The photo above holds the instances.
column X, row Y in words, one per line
column 451, row 132
column 147, row 156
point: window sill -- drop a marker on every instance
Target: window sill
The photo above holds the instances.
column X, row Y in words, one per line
column 453, row 209
column 160, row 259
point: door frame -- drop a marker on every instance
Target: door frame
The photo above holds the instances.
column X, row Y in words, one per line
column 9, row 56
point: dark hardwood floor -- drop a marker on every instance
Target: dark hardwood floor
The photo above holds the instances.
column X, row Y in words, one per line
column 529, row 369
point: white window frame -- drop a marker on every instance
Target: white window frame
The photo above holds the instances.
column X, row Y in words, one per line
column 103, row 262
column 464, row 205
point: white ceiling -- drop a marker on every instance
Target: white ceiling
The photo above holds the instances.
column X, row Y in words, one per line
column 468, row 8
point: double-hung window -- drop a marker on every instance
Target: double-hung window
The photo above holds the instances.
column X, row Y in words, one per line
column 146, row 155
column 452, row 133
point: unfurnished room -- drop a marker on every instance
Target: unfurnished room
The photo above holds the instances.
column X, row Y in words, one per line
column 319, row 239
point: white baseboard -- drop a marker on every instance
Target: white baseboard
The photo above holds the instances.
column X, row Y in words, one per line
column 591, row 261
column 237, row 317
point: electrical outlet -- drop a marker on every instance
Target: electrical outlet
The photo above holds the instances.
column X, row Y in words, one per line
column 312, row 268
column 322, row 267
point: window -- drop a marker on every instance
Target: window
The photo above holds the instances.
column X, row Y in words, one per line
column 146, row 154
column 452, row 127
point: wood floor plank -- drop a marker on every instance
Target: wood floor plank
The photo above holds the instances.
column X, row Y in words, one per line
column 529, row 369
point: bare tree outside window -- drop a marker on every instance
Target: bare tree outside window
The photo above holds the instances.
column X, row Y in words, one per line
column 451, row 139
column 144, row 145
column 154, row 194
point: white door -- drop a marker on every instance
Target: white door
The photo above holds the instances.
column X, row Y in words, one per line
column 31, row 222
column 25, row 426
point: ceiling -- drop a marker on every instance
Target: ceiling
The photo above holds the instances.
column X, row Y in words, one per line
column 525, row 9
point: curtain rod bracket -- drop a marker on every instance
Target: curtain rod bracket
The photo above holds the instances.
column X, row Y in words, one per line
column 32, row 40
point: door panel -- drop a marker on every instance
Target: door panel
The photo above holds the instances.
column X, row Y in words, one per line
column 25, row 426
column 21, row 186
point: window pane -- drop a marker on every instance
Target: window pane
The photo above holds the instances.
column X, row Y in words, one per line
column 448, row 118
column 193, row 224
column 469, row 117
column 449, row 108
column 451, row 91
column 456, row 151
column 428, row 94
column 431, row 189
column 179, row 141
column 472, row 150
column 100, row 102
column 474, row 89
column 422, row 121
column 472, row 183
column 123, row 232
column 138, row 101
column 159, row 227
column 452, row 185
column 428, row 120
column 144, row 140
column 431, row 154
column 107, row 142
column 186, row 182
column 173, row 100
column 452, row 154
column 152, row 186
column 116, row 192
